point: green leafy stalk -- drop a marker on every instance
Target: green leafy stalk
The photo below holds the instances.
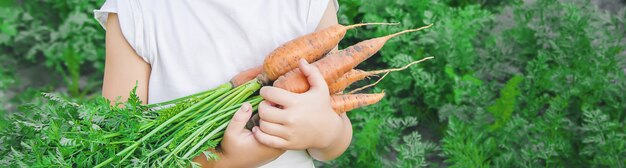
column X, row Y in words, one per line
column 126, row 152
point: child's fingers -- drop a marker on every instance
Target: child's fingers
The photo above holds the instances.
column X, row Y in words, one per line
column 277, row 95
column 314, row 76
column 240, row 118
column 269, row 140
column 270, row 113
column 274, row 129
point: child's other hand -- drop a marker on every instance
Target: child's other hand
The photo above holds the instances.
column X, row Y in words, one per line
column 298, row 121
column 239, row 148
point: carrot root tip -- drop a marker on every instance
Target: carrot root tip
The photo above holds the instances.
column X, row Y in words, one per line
column 367, row 24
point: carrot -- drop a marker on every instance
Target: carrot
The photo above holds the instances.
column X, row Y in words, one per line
column 355, row 75
column 246, row 76
column 346, row 102
column 310, row 47
column 338, row 63
column 347, row 79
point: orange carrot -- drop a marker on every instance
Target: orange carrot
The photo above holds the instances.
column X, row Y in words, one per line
column 338, row 63
column 355, row 75
column 310, row 47
column 246, row 76
column 346, row 102
column 347, row 79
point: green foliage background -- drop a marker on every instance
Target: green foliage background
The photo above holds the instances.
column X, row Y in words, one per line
column 513, row 84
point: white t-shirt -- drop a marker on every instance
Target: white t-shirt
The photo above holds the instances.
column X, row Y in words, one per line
column 194, row 45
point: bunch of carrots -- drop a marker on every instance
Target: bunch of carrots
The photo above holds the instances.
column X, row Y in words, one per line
column 208, row 113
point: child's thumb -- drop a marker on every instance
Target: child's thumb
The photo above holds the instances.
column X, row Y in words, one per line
column 240, row 118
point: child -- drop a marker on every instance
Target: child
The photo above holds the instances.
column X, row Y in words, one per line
column 176, row 48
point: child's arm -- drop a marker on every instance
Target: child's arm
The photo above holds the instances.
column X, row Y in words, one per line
column 124, row 68
column 336, row 148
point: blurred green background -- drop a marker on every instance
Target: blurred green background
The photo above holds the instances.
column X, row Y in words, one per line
column 519, row 83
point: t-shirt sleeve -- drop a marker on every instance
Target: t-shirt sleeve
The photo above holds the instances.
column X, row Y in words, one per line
column 102, row 14
column 130, row 23
column 316, row 12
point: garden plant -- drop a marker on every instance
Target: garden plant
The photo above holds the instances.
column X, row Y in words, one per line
column 513, row 83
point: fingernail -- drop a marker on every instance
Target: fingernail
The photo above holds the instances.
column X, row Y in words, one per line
column 304, row 61
column 245, row 107
column 255, row 129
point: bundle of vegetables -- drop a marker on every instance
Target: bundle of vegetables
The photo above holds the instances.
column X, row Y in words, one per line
column 172, row 133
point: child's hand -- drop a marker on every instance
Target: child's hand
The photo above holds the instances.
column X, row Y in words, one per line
column 239, row 148
column 298, row 121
